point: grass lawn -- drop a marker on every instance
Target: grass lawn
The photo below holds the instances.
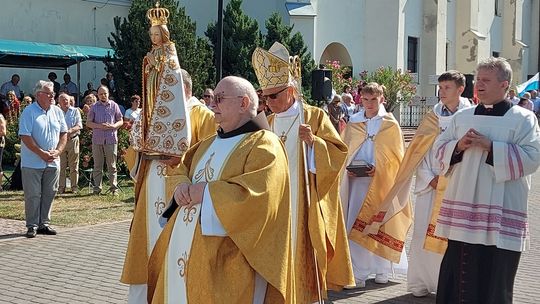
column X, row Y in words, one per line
column 80, row 209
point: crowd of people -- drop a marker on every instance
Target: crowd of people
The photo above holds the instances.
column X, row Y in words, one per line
column 286, row 201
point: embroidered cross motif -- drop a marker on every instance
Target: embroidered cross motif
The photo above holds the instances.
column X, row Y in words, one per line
column 442, row 129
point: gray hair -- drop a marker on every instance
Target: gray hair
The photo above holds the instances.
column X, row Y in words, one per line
column 103, row 87
column 43, row 84
column 188, row 83
column 294, row 84
column 66, row 95
column 500, row 66
column 346, row 96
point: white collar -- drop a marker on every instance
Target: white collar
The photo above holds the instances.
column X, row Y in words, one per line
column 360, row 116
column 293, row 110
column 463, row 103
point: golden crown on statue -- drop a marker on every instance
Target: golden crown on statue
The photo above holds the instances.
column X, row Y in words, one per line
column 157, row 15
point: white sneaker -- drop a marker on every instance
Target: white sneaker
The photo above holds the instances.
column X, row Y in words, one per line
column 381, row 278
column 360, row 283
column 420, row 293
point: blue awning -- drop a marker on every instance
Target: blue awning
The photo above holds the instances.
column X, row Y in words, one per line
column 28, row 54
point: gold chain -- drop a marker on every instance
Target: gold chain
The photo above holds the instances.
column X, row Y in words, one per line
column 283, row 136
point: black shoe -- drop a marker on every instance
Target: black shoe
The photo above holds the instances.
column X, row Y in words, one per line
column 31, row 233
column 46, row 230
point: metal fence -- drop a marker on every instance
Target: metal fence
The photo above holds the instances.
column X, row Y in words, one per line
column 411, row 114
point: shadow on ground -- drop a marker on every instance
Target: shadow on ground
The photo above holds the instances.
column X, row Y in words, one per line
column 11, row 236
column 367, row 293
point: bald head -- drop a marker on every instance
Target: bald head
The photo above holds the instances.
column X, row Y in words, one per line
column 235, row 102
column 238, row 86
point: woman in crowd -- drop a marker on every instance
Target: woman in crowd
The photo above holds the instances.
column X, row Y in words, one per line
column 133, row 112
column 3, row 133
column 14, row 105
column 336, row 114
column 89, row 100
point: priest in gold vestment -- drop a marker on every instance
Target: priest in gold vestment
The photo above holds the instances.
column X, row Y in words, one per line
column 229, row 242
column 316, row 156
column 375, row 142
column 159, row 137
column 201, row 118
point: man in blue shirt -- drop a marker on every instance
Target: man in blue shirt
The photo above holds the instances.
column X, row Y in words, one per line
column 43, row 134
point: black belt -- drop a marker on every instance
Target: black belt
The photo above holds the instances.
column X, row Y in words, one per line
column 73, row 137
column 155, row 157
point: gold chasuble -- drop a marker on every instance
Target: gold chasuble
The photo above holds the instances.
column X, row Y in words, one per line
column 388, row 241
column 202, row 120
column 398, row 195
column 320, row 227
column 248, row 187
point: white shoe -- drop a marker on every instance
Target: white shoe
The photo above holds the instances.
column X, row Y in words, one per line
column 360, row 283
column 420, row 293
column 381, row 278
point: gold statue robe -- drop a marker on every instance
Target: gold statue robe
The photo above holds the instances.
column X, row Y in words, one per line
column 251, row 200
column 389, row 239
column 320, row 226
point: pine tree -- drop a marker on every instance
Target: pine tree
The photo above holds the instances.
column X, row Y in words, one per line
column 280, row 32
column 131, row 42
column 241, row 36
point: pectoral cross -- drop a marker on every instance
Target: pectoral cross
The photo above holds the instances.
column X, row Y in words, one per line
column 283, row 137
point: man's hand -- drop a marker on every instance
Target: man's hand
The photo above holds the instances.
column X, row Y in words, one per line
column 46, row 156
column 351, row 174
column 196, row 192
column 434, row 182
column 55, row 153
column 371, row 172
column 305, row 134
column 479, row 140
column 465, row 142
column 189, row 195
column 181, row 194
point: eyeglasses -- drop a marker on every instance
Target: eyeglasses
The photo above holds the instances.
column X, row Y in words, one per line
column 219, row 98
column 274, row 96
column 50, row 95
column 207, row 96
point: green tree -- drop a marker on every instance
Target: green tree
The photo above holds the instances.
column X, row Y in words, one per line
column 131, row 42
column 399, row 86
column 282, row 33
column 241, row 35
column 340, row 76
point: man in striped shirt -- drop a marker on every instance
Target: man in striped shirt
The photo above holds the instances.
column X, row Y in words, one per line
column 104, row 118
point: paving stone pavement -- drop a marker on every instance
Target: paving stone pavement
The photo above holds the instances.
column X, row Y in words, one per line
column 83, row 265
